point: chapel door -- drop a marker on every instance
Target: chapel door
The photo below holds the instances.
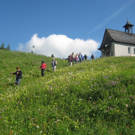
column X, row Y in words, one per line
column 107, row 54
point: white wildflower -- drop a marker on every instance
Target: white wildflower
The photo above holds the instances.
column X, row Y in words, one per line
column 37, row 126
column 126, row 105
column 58, row 120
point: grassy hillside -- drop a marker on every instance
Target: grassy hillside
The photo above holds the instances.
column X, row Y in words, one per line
column 28, row 63
column 93, row 97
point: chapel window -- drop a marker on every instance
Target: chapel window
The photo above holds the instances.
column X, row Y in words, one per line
column 129, row 50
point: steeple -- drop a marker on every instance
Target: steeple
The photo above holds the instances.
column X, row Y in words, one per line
column 128, row 27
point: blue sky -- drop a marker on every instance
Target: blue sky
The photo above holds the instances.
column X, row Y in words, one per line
column 61, row 27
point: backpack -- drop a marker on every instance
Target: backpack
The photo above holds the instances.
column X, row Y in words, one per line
column 55, row 63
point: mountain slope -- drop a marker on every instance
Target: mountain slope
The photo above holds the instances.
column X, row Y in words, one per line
column 92, row 97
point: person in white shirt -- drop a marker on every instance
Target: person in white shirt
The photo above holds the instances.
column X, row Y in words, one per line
column 54, row 64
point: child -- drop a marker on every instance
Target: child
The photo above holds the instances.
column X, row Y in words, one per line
column 43, row 67
column 18, row 74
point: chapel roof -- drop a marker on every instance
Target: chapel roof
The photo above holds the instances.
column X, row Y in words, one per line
column 117, row 36
column 123, row 37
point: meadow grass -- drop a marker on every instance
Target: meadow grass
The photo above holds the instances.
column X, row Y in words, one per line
column 95, row 97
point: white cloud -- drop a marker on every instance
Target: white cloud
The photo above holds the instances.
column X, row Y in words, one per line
column 20, row 47
column 59, row 45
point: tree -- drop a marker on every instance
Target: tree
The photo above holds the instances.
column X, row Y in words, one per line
column 8, row 47
column 52, row 55
column 2, row 46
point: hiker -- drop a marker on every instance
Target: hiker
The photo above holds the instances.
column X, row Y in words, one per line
column 92, row 56
column 54, row 64
column 73, row 56
column 80, row 57
column 85, row 57
column 76, row 58
column 70, row 59
column 18, row 74
column 43, row 68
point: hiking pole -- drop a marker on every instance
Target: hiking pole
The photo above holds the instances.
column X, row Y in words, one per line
column 9, row 79
column 11, row 75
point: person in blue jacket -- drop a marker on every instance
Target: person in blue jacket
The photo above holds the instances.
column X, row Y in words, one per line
column 80, row 57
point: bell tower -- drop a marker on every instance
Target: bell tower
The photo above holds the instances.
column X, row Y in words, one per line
column 128, row 27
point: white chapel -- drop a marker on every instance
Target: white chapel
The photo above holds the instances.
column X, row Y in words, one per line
column 118, row 43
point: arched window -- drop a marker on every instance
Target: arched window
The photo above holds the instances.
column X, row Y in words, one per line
column 129, row 50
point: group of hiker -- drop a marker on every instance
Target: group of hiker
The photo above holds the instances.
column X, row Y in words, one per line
column 43, row 67
column 71, row 58
column 77, row 58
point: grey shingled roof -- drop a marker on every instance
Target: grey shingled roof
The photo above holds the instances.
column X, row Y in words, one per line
column 117, row 36
column 123, row 37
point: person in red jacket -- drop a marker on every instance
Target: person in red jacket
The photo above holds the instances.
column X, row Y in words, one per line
column 43, row 67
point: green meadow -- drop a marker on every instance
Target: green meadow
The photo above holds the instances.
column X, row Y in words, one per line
column 95, row 97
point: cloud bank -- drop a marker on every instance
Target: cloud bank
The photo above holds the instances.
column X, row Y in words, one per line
column 59, row 45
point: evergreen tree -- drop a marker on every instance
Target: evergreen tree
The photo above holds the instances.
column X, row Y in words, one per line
column 2, row 46
column 52, row 55
column 8, row 47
